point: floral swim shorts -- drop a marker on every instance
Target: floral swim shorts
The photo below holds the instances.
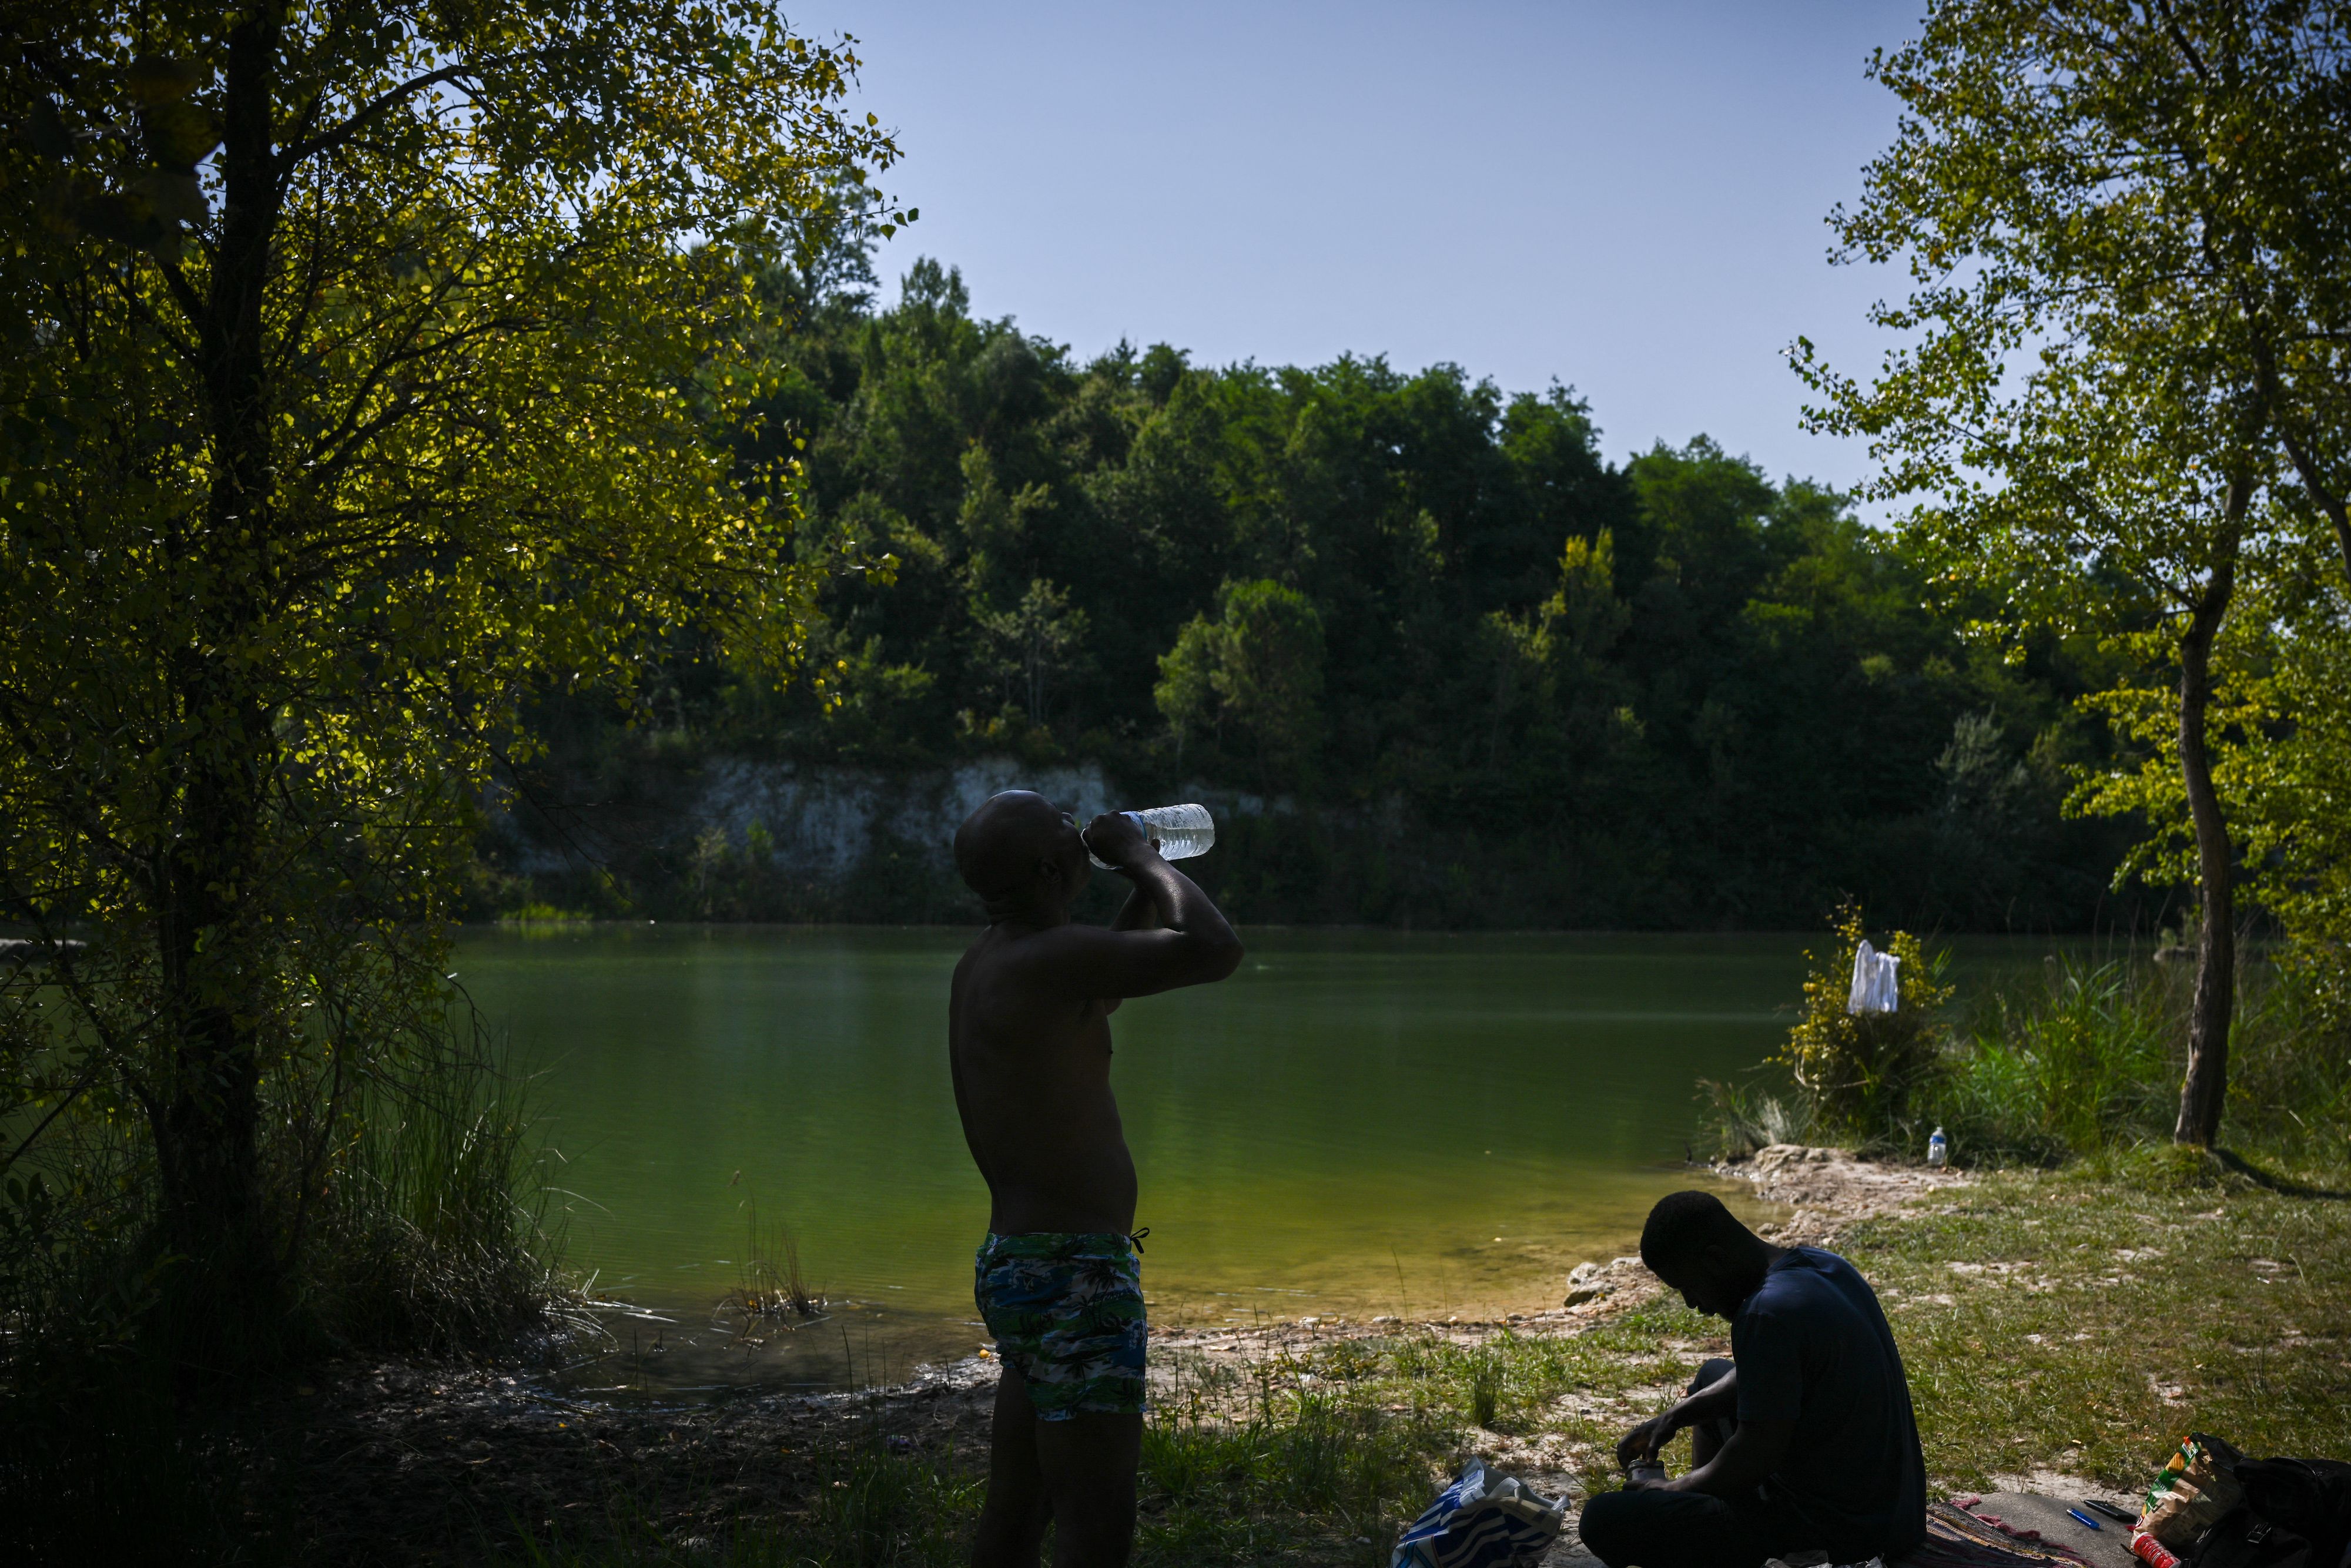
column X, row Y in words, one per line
column 1066, row 1309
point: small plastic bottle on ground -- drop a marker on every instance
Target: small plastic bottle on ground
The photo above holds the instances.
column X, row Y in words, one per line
column 1183, row 832
column 1939, row 1149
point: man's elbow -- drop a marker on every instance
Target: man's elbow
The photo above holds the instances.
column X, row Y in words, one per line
column 1768, row 1446
column 1220, row 955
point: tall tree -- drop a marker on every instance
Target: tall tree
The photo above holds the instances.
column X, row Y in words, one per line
column 1258, row 666
column 2124, row 227
column 359, row 359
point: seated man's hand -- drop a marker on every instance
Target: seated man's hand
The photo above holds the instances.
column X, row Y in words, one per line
column 1117, row 838
column 1646, row 1440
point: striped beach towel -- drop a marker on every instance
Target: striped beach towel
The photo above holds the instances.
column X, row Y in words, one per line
column 1957, row 1539
column 1481, row 1521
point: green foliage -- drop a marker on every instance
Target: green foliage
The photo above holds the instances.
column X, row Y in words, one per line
column 1260, row 666
column 2122, row 391
column 1486, row 677
column 2138, row 214
column 2080, row 1062
column 2290, row 1080
column 1863, row 1075
column 1485, row 1391
column 873, row 1510
column 423, row 1214
column 2086, row 1060
column 436, row 1215
column 2086, row 1063
column 1034, row 642
column 1323, row 1454
column 1741, row 1118
column 2285, row 766
column 319, row 452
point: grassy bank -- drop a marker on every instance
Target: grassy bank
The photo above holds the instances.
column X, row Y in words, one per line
column 2091, row 1295
column 2082, row 1060
column 2076, row 1321
column 2082, row 1321
column 1316, row 1455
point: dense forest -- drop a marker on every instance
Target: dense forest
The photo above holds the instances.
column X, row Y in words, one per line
column 1457, row 667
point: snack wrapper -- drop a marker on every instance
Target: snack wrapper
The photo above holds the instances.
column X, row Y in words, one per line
column 2195, row 1486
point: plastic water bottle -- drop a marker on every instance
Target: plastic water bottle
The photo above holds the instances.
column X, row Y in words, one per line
column 1183, row 832
column 1939, row 1149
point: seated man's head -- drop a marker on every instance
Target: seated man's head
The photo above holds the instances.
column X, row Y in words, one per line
column 1022, row 855
column 1699, row 1248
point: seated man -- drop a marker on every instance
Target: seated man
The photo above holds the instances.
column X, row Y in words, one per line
column 1802, row 1441
column 1057, row 1280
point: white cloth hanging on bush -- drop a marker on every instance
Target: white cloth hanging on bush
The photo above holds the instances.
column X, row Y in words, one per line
column 1877, row 985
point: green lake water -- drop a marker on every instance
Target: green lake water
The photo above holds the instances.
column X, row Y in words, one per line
column 1355, row 1123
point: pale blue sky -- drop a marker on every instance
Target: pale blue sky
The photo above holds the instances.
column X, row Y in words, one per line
column 1627, row 197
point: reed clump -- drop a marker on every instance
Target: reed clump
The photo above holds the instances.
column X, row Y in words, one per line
column 2086, row 1060
column 2089, row 1060
column 773, row 1287
column 436, row 1232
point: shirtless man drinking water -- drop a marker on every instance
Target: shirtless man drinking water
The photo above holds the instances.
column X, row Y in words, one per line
column 1057, row 1280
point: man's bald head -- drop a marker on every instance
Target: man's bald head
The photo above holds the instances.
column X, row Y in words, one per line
column 1002, row 848
column 1697, row 1247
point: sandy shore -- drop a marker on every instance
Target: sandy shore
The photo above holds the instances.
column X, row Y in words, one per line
column 1822, row 1191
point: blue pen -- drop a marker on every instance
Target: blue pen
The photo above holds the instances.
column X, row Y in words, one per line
column 2085, row 1519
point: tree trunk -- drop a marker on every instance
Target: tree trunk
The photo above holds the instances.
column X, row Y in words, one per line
column 208, row 1124
column 207, row 1129
column 2204, row 1092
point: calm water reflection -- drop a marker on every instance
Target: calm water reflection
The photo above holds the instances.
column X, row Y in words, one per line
column 1355, row 1121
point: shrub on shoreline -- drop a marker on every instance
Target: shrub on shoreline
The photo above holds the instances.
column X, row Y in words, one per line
column 2083, row 1059
column 1862, row 1073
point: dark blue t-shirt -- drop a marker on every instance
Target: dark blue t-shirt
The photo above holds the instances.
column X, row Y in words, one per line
column 1811, row 1346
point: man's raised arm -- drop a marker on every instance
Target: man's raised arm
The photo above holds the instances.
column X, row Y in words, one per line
column 1169, row 934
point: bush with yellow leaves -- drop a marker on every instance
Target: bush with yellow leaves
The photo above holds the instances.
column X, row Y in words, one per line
column 1861, row 1074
